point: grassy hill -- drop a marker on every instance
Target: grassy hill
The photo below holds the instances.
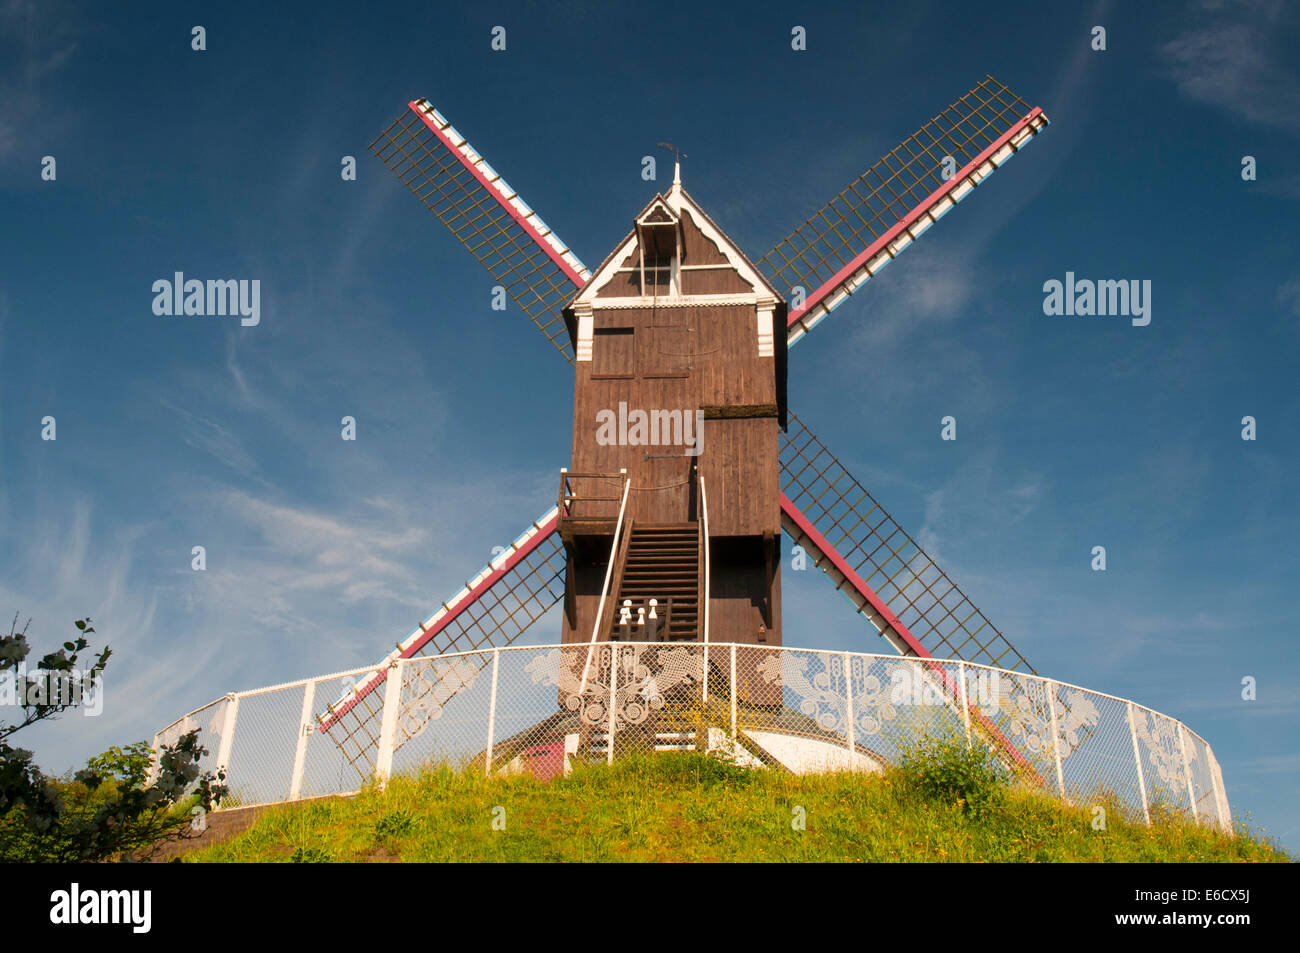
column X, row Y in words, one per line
column 686, row 807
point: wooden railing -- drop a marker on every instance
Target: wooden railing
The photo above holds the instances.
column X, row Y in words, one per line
column 581, row 496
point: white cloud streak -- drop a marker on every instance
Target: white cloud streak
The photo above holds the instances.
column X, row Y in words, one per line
column 1235, row 58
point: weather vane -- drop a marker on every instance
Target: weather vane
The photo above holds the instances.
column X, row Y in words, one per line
column 674, row 150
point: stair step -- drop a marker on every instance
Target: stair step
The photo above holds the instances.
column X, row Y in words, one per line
column 663, row 563
column 641, row 595
column 646, row 583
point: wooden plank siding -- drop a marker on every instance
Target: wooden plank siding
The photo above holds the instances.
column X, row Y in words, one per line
column 665, row 354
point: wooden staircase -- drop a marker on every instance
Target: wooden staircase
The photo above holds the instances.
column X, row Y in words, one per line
column 662, row 563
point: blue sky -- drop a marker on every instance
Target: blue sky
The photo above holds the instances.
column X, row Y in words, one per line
column 1072, row 432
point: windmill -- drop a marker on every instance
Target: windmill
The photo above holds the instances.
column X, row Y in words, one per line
column 653, row 537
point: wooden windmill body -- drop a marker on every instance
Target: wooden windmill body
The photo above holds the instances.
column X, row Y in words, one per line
column 679, row 394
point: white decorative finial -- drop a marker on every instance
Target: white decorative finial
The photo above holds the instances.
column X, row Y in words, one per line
column 678, row 156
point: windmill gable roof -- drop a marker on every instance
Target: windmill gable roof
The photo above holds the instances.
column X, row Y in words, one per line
column 665, row 209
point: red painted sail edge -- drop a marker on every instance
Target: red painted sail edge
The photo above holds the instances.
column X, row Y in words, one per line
column 806, row 527
column 908, row 220
column 841, row 565
column 544, row 531
column 550, row 250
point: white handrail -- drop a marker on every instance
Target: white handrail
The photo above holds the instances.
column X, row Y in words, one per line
column 704, row 515
column 704, row 609
column 609, row 572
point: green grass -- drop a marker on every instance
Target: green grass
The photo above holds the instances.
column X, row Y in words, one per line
column 688, row 807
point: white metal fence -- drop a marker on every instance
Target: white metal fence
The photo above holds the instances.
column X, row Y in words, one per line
column 543, row 708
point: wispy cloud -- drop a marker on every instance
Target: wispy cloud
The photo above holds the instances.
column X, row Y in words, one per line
column 75, row 567
column 215, row 439
column 980, row 493
column 355, row 559
column 35, row 42
column 1236, row 58
column 1289, row 295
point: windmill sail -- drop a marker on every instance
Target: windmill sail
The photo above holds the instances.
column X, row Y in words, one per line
column 895, row 585
column 494, row 608
column 488, row 217
column 891, row 580
column 885, row 209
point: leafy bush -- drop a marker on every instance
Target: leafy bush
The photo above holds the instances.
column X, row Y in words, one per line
column 115, row 806
column 944, row 768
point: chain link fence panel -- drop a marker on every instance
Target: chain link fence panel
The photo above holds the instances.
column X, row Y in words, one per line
column 545, row 709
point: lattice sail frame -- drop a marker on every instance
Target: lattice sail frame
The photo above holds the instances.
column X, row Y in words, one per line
column 921, row 595
column 485, row 214
column 860, row 231
column 494, row 608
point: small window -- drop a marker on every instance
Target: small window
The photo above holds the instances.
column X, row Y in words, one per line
column 658, row 275
column 613, row 352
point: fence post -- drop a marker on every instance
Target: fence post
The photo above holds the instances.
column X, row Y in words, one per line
column 1187, row 773
column 492, row 711
column 848, row 706
column 613, row 684
column 155, row 763
column 965, row 702
column 733, row 697
column 1056, row 743
column 388, row 727
column 1137, row 763
column 304, row 730
column 706, row 673
column 1220, row 792
column 228, row 733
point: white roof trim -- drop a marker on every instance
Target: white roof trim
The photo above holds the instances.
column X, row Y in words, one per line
column 676, row 200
